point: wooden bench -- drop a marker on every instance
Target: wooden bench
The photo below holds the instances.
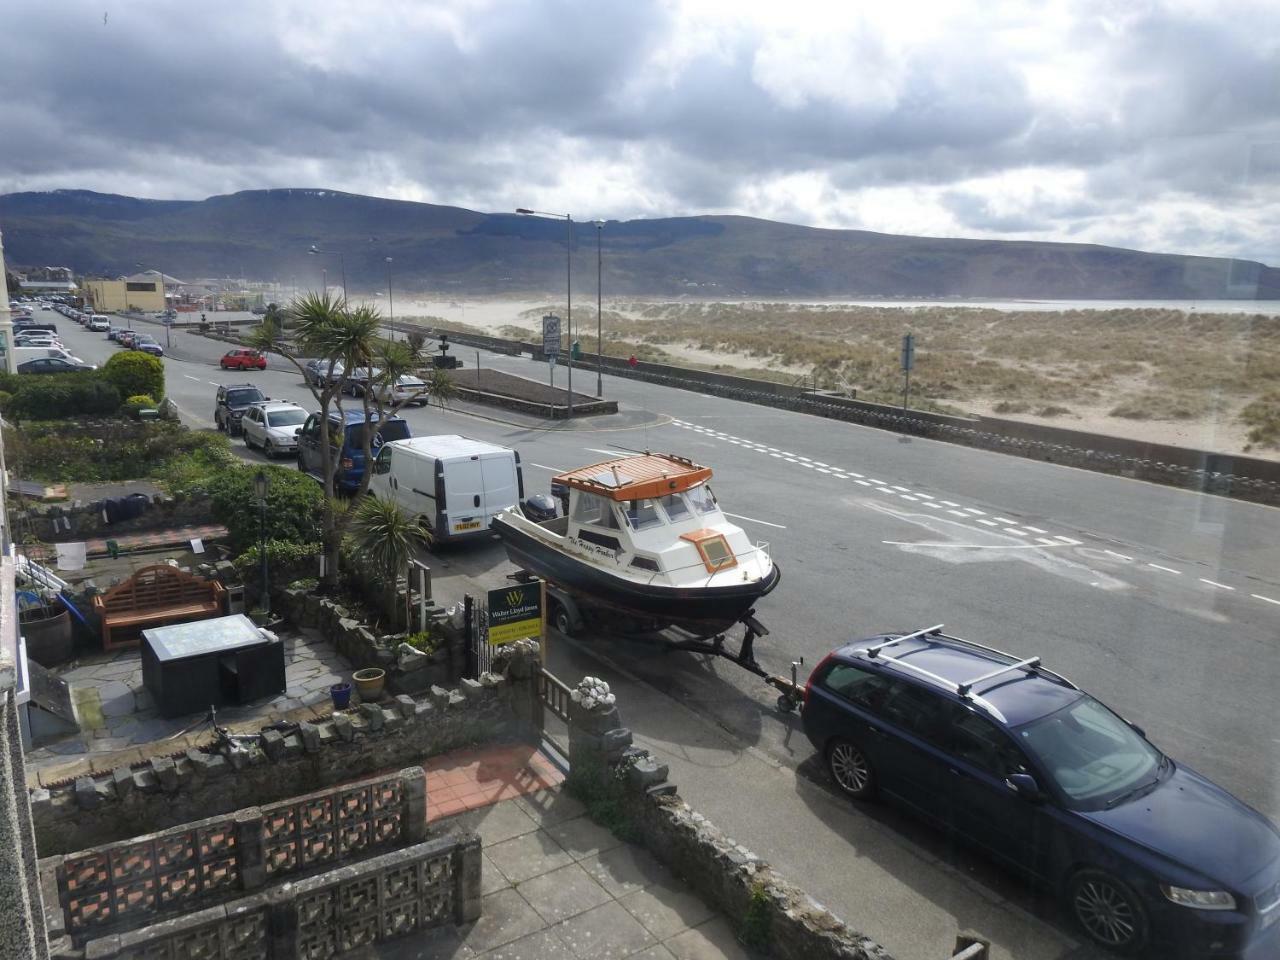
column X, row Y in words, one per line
column 154, row 596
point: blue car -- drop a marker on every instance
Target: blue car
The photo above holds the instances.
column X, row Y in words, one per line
column 1018, row 762
column 346, row 432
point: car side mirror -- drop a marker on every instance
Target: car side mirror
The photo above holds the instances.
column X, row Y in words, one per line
column 1025, row 786
column 298, row 432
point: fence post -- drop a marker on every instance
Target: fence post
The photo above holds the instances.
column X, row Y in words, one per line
column 413, row 783
column 250, row 849
column 970, row 946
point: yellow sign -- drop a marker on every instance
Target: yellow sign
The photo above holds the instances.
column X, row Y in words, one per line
column 517, row 630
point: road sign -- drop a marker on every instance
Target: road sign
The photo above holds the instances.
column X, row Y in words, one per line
column 515, row 612
column 551, row 335
column 908, row 352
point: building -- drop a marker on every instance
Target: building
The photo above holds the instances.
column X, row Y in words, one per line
column 8, row 360
column 143, row 291
column 49, row 280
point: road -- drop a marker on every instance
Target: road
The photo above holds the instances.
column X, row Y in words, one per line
column 1164, row 603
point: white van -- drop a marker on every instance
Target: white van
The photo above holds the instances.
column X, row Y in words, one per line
column 455, row 484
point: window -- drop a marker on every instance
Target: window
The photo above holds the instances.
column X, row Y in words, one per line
column 977, row 740
column 382, row 465
column 866, row 689
column 244, row 396
column 599, row 539
column 642, row 514
column 645, row 563
column 918, row 711
column 594, row 510
column 675, row 507
column 702, row 499
column 286, row 418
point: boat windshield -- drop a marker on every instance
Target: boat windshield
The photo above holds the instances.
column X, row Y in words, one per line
column 642, row 514
column 593, row 510
column 675, row 507
column 702, row 499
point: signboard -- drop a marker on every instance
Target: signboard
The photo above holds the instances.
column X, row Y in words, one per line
column 515, row 612
column 908, row 352
column 551, row 335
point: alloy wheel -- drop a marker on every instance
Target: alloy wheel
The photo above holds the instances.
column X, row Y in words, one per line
column 850, row 768
column 1107, row 912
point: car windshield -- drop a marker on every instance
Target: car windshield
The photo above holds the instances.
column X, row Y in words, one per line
column 286, row 418
column 240, row 398
column 1090, row 753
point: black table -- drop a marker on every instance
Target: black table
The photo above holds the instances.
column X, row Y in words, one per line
column 188, row 667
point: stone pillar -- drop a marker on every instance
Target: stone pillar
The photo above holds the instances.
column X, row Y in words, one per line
column 413, row 783
column 282, row 922
column 6, row 321
column 250, row 848
column 521, row 664
column 596, row 737
column 466, row 865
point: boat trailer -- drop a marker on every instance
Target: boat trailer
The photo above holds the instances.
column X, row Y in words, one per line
column 790, row 692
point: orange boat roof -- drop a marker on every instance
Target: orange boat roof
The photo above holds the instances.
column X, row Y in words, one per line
column 636, row 478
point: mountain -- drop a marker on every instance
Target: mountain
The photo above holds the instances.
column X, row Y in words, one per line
column 265, row 235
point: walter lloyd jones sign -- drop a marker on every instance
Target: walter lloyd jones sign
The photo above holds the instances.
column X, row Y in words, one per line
column 515, row 612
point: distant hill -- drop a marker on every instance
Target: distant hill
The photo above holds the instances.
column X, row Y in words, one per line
column 265, row 235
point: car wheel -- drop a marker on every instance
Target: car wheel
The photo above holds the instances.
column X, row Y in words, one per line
column 851, row 769
column 268, row 451
column 244, row 434
column 1108, row 911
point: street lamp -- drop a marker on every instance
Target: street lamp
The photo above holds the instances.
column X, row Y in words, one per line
column 342, row 263
column 391, row 304
column 568, row 289
column 261, row 486
column 599, row 300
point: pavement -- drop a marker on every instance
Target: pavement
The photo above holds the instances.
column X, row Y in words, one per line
column 1162, row 602
column 555, row 884
column 119, row 721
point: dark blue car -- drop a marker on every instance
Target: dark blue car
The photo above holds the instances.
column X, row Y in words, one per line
column 1017, row 761
column 346, row 433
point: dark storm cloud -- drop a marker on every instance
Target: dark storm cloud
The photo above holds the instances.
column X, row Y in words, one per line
column 483, row 103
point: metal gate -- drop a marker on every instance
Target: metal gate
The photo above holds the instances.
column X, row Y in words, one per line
column 480, row 652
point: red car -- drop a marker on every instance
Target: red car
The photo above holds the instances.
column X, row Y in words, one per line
column 243, row 360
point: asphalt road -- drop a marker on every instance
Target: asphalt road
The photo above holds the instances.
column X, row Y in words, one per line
column 1162, row 602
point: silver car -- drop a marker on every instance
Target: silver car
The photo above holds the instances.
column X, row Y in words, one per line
column 273, row 427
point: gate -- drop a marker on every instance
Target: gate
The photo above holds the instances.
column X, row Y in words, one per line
column 480, row 652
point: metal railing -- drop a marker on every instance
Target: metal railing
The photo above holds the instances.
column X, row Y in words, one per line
column 554, row 694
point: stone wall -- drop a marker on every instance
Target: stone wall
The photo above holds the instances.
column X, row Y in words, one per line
column 784, row 920
column 109, row 805
column 79, row 520
column 395, row 895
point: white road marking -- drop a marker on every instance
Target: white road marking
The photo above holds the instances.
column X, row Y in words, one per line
column 1015, row 531
column 988, row 523
column 969, row 546
column 936, row 506
column 1258, row 596
column 1068, row 541
column 754, row 520
column 1047, row 542
column 862, row 482
column 190, row 377
column 959, row 513
column 976, row 513
column 803, row 459
column 820, row 470
column 543, row 466
column 775, row 455
column 907, row 496
column 924, row 496
column 1034, row 529
column 852, row 474
column 878, row 483
column 819, row 463
column 1011, row 522
column 1215, row 583
column 213, row 383
column 809, row 465
column 950, row 504
column 1120, row 556
column 610, row 453
column 902, row 489
column 1156, row 566
column 789, row 459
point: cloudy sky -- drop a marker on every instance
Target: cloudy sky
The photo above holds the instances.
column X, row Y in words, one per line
column 1144, row 123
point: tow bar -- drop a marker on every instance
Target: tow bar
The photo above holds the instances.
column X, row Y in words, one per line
column 790, row 693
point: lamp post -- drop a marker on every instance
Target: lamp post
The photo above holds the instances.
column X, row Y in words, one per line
column 261, row 486
column 315, row 251
column 568, row 280
column 391, row 304
column 599, row 301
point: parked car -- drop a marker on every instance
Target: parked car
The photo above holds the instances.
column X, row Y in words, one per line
column 273, row 427
column 52, row 365
column 314, row 372
column 358, row 380
column 126, row 337
column 348, row 429
column 38, row 342
column 100, row 323
column 409, row 390
column 113, row 333
column 147, row 344
column 243, row 359
column 230, row 404
column 1018, row 762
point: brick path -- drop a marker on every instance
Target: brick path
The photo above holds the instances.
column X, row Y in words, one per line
column 481, row 776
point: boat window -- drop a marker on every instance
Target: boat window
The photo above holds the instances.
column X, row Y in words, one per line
column 702, row 499
column 594, row 510
column 675, row 506
column 645, row 563
column 599, row 539
column 714, row 549
column 642, row 514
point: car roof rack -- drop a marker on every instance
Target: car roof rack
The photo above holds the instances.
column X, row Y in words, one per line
column 965, row 688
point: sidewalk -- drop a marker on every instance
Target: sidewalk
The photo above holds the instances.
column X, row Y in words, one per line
column 555, row 884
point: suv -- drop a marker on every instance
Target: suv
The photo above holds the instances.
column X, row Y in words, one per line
column 273, row 427
column 1019, row 762
column 346, row 433
column 231, row 403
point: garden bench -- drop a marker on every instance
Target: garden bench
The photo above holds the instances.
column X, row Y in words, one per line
column 153, row 596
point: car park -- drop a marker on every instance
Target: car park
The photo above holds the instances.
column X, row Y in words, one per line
column 52, row 365
column 243, row 359
column 231, row 402
column 273, row 427
column 1017, row 762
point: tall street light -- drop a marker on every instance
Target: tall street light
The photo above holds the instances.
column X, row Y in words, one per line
column 568, row 289
column 599, row 300
column 342, row 262
column 261, row 487
column 391, row 304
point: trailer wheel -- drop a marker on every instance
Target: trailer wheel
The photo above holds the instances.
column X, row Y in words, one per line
column 560, row 619
column 785, row 703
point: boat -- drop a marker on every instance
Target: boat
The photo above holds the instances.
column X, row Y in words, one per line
column 644, row 535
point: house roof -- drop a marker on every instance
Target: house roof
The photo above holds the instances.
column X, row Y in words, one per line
column 639, row 477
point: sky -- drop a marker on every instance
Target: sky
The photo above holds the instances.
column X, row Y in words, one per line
column 1152, row 124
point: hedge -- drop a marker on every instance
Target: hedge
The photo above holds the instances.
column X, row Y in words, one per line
column 295, row 506
column 39, row 397
column 55, row 450
column 133, row 372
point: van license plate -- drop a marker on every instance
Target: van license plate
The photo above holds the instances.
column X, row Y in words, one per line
column 468, row 525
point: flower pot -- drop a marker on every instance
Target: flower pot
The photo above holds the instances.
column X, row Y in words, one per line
column 370, row 682
column 340, row 693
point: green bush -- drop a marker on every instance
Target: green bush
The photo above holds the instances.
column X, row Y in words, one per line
column 51, row 450
column 63, row 395
column 6, row 398
column 757, row 925
column 140, row 400
column 425, row 641
column 286, row 561
column 295, row 505
column 135, row 373
column 190, row 476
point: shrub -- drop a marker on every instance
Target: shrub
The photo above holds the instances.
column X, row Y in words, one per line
column 63, row 395
column 425, row 641
column 1262, row 417
column 5, row 399
column 295, row 505
column 135, row 373
column 286, row 562
column 54, row 450
column 191, row 475
column 140, row 400
column 756, row 922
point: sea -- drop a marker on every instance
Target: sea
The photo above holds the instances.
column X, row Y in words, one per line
column 1270, row 308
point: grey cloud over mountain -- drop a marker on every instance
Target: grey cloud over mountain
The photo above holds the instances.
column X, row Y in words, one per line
column 1121, row 123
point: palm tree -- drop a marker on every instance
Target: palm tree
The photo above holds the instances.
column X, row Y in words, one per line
column 442, row 386
column 385, row 534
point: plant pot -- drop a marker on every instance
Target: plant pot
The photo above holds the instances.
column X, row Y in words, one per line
column 340, row 693
column 370, row 682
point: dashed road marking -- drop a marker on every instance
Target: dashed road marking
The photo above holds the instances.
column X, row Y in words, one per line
column 928, row 503
column 852, row 474
column 738, row 516
column 1258, row 596
column 902, row 489
column 1008, row 521
column 543, row 466
column 1068, row 541
column 821, row 470
column 1047, row 542
column 190, row 377
column 1034, row 529
column 907, row 496
column 1215, row 583
column 1015, row 531
column 950, row 504
column 959, row 513
column 862, row 482
column 988, row 523
column 975, row 512
column 1156, row 566
column 1119, row 556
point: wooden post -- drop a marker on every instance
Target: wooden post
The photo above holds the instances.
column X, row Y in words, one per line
column 542, row 608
